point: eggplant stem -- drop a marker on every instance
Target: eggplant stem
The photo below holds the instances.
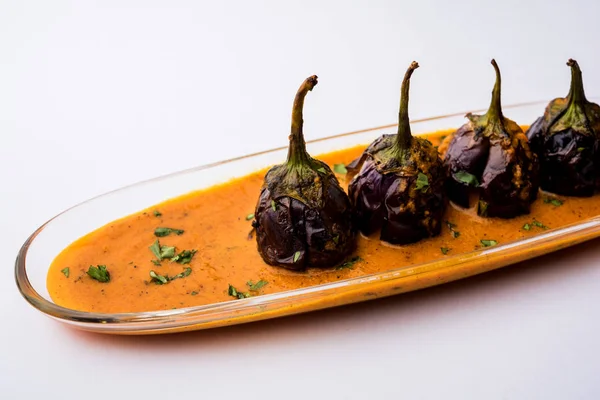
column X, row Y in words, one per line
column 576, row 93
column 297, row 154
column 404, row 136
column 495, row 110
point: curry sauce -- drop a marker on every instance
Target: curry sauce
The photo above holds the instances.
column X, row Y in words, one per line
column 216, row 224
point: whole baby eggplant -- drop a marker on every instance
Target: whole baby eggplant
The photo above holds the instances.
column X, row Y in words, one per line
column 489, row 156
column 398, row 183
column 303, row 217
column 566, row 139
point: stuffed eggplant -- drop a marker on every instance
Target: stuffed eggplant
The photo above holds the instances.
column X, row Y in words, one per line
column 398, row 183
column 566, row 140
column 489, row 162
column 303, row 217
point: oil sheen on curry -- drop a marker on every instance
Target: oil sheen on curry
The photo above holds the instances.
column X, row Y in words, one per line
column 214, row 223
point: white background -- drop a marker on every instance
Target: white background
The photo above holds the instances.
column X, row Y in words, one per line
column 97, row 95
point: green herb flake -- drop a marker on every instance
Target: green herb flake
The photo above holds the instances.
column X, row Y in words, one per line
column 450, row 225
column 99, row 273
column 194, row 293
column 340, row 169
column 186, row 272
column 156, row 262
column 488, row 243
column 444, row 250
column 322, row 170
column 336, row 239
column 184, row 257
column 66, row 271
column 580, row 149
column 483, row 206
column 158, row 279
column 539, row 224
column 297, row 256
column 161, row 252
column 422, row 182
column 162, row 232
column 256, row 286
column 236, row 293
column 554, row 201
column 526, row 227
column 273, row 205
column 155, row 249
column 157, row 213
column 249, row 217
column 455, row 234
column 349, row 264
column 466, row 178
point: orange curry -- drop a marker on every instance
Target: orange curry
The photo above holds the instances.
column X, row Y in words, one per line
column 215, row 222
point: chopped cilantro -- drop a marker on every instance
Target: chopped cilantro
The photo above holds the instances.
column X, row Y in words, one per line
column 157, row 213
column 256, row 286
column 422, row 182
column 158, row 279
column 450, row 225
column 539, row 224
column 235, row 293
column 336, row 239
column 297, row 256
column 66, row 271
column 527, row 227
column 99, row 273
column 249, row 217
column 164, row 279
column 483, row 206
column 156, row 262
column 322, row 170
column 273, row 205
column 488, row 243
column 161, row 252
column 162, row 232
column 349, row 264
column 466, row 178
column 554, row 201
column 444, row 250
column 340, row 169
column 580, row 149
column 194, row 293
column 184, row 257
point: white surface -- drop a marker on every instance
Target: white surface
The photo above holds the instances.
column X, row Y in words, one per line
column 96, row 95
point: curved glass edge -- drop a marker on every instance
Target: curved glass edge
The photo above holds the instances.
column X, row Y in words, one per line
column 306, row 299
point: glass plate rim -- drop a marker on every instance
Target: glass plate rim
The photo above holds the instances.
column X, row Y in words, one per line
column 177, row 318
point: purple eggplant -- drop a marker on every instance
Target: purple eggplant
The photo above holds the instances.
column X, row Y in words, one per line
column 397, row 187
column 489, row 158
column 303, row 217
column 567, row 140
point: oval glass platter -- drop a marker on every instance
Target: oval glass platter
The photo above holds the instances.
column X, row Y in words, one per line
column 45, row 243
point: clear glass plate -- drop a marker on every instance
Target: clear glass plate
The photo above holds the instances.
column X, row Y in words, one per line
column 45, row 243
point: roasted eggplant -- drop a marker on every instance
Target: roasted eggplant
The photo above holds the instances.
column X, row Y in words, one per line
column 303, row 217
column 398, row 183
column 489, row 161
column 567, row 139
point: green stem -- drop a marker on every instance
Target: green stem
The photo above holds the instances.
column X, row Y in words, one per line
column 494, row 113
column 404, row 136
column 576, row 93
column 297, row 154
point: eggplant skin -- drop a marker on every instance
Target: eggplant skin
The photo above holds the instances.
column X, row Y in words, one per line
column 293, row 235
column 392, row 204
column 506, row 170
column 569, row 160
